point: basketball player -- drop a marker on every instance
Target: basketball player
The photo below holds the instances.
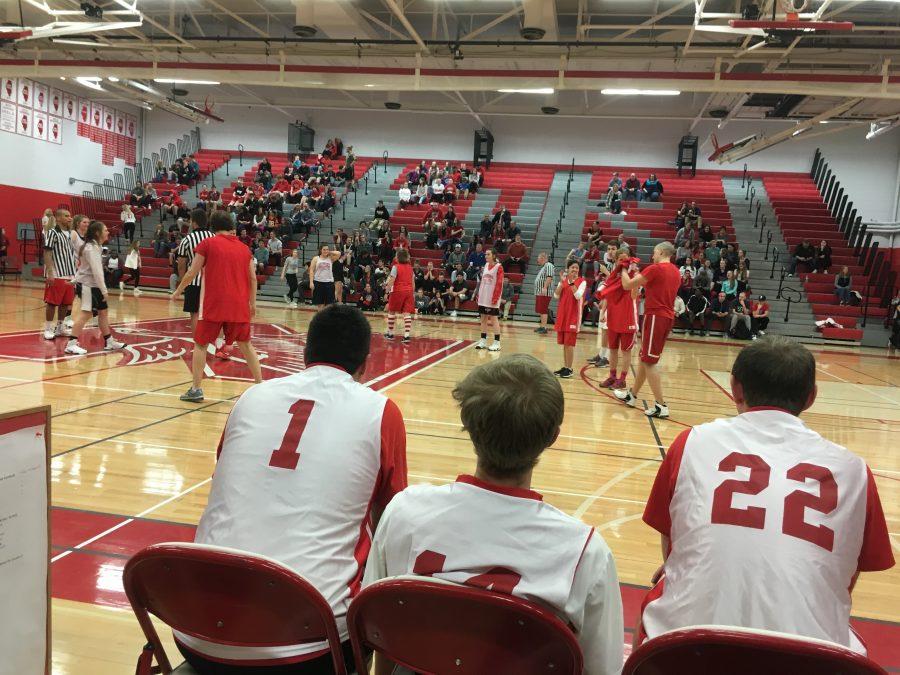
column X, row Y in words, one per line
column 570, row 293
column 307, row 464
column 494, row 521
column 764, row 523
column 185, row 257
column 228, row 300
column 621, row 320
column 59, row 271
column 661, row 281
column 399, row 286
column 489, row 301
column 321, row 276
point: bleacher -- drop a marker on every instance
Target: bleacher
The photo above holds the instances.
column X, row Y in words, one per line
column 802, row 214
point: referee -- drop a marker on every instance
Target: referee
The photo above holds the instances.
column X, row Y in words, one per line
column 543, row 290
column 59, row 270
column 185, row 255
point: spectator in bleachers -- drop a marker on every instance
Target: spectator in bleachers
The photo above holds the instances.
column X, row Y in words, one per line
column 720, row 308
column 621, row 243
column 275, row 247
column 729, row 285
column 475, row 262
column 486, row 227
column 686, row 235
column 507, row 292
column 493, row 520
column 591, row 260
column 421, row 194
column 615, row 181
column 160, row 241
column 382, row 215
column 594, row 234
column 694, row 215
column 730, row 256
column 742, row 258
column 632, row 189
column 161, row 174
column 683, row 254
column 706, row 234
column 742, row 276
column 609, row 258
column 458, row 291
column 402, row 240
column 803, row 253
column 680, row 216
column 843, row 285
column 517, row 254
column 759, row 319
column 652, row 188
column 680, row 310
column 502, row 217
column 687, row 284
column 576, row 254
column 741, row 311
column 138, row 196
column 614, row 200
column 697, row 310
column 721, row 273
column 458, row 272
column 307, row 220
column 823, row 257
column 367, row 300
column 456, row 257
column 714, row 255
column 721, row 239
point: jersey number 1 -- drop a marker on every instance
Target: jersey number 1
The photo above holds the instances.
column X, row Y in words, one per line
column 795, row 504
column 288, row 454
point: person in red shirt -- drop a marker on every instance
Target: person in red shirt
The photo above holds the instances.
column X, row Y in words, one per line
column 570, row 293
column 759, row 318
column 227, row 298
column 621, row 319
column 661, row 282
column 400, row 295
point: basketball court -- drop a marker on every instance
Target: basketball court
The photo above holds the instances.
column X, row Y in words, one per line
column 132, row 464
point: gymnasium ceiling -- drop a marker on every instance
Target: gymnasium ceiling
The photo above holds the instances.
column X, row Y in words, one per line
column 365, row 52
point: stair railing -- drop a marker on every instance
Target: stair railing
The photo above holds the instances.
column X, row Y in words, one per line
column 774, row 261
column 768, row 242
column 752, row 197
column 240, row 154
column 762, row 229
column 744, row 175
column 384, row 156
column 756, row 218
column 749, row 181
column 796, row 297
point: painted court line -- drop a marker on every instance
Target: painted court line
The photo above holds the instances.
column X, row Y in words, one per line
column 858, row 386
column 602, row 490
column 136, row 443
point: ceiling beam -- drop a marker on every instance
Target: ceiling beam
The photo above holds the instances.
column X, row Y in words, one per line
column 378, row 22
column 649, row 22
column 401, row 17
column 259, row 98
column 515, row 11
column 238, row 18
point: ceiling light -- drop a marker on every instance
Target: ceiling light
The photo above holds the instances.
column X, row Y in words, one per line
column 90, row 82
column 83, row 43
column 112, row 79
column 540, row 90
column 368, row 85
column 141, row 86
column 640, row 92
column 799, row 131
column 824, row 121
column 167, row 80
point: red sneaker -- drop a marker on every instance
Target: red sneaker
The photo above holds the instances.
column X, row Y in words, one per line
column 619, row 384
column 608, row 382
column 224, row 353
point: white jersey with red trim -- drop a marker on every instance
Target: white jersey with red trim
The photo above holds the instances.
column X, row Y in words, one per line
column 303, row 461
column 768, row 524
column 490, row 286
column 509, row 541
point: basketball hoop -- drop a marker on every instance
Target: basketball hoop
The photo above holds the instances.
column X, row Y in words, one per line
column 792, row 8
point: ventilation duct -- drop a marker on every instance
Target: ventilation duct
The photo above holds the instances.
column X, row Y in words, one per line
column 304, row 20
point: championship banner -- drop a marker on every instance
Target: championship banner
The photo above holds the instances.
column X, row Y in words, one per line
column 26, row 93
column 70, row 107
column 54, row 133
column 84, row 111
column 41, row 97
column 39, row 125
column 56, row 102
column 7, row 116
column 9, row 89
column 23, row 120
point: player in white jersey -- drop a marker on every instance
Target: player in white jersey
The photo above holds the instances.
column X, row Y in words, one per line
column 494, row 521
column 764, row 523
column 488, row 297
column 306, row 465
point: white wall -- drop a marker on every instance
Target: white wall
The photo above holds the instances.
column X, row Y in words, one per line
column 867, row 169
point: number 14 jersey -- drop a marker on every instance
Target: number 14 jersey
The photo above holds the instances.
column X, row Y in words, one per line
column 768, row 523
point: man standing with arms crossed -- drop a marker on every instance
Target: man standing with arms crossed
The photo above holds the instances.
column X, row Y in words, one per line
column 227, row 301
column 59, row 270
column 660, row 281
column 543, row 290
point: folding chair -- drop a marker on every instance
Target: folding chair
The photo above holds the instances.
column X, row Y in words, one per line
column 711, row 650
column 226, row 596
column 435, row 627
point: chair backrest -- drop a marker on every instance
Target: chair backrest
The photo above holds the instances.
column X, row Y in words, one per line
column 439, row 627
column 227, row 596
column 741, row 651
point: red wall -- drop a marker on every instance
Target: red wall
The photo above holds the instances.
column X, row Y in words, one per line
column 22, row 205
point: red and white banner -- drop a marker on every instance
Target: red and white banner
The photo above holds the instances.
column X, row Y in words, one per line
column 109, row 121
column 130, row 126
column 54, row 129
column 84, row 111
column 96, row 115
column 55, row 106
column 39, row 125
column 70, row 107
column 120, row 123
column 8, row 116
column 23, row 120
column 26, row 93
column 9, row 89
column 41, row 97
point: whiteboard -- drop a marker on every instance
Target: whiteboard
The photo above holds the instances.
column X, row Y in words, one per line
column 25, row 541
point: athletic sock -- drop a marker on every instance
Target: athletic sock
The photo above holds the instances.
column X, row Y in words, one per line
column 623, row 374
column 48, row 325
column 604, row 352
column 390, row 324
column 106, row 338
column 496, row 337
column 59, row 325
column 484, row 336
column 407, row 325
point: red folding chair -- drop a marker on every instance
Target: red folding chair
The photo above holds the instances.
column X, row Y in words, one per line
column 435, row 627
column 225, row 596
column 712, row 650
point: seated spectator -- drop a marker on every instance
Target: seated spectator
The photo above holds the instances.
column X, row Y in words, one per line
column 502, row 217
column 421, row 301
column 493, row 521
column 632, row 189
column 431, row 230
column 721, row 239
column 590, row 261
column 680, row 216
column 687, row 284
column 803, row 253
column 822, row 257
column 697, row 310
column 439, row 293
column 307, row 220
column 742, row 258
column 330, row 484
column 507, row 292
column 683, row 255
column 402, row 240
column 720, row 273
column 594, row 234
column 703, row 279
column 576, row 254
column 458, row 273
column 622, row 243
column 806, row 518
column 653, row 188
column 686, row 236
column 456, row 257
column 759, row 319
column 741, row 311
column 694, row 215
column 275, row 246
column 729, row 285
column 138, row 196
column 614, row 200
column 367, row 300
column 843, row 285
column 721, row 309
column 382, row 215
column 706, row 234
column 458, row 291
column 742, row 276
column 680, row 310
column 486, row 227
column 475, row 262
column 517, row 254
column 730, row 256
column 615, row 181
column 160, row 241
column 714, row 255
column 421, row 194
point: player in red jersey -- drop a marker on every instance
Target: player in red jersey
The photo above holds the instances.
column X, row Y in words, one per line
column 621, row 319
column 661, row 281
column 570, row 293
column 227, row 298
column 400, row 289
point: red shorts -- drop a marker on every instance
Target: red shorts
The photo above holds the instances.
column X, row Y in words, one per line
column 654, row 332
column 623, row 341
column 59, row 292
column 541, row 303
column 400, row 302
column 567, row 338
column 206, row 332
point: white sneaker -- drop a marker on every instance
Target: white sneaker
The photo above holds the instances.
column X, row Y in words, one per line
column 121, row 285
column 138, row 293
column 293, row 305
column 49, row 334
column 495, row 347
column 68, row 322
column 658, row 411
column 286, row 298
column 62, row 331
column 453, row 314
column 74, row 348
column 112, row 344
column 626, row 397
column 481, row 344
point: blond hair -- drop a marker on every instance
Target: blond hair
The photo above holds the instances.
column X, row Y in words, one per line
column 512, row 409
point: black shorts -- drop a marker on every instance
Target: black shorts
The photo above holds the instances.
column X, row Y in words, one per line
column 323, row 293
column 191, row 299
column 489, row 311
column 98, row 304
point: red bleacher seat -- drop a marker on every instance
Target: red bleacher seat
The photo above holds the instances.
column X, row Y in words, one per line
column 224, row 596
column 439, row 627
column 738, row 651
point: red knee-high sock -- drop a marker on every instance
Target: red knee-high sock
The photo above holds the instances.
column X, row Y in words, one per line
column 390, row 321
column 407, row 324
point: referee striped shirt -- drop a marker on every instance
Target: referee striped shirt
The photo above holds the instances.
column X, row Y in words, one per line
column 60, row 247
column 548, row 271
column 188, row 245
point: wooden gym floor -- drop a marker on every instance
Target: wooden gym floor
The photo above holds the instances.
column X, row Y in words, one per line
column 132, row 463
